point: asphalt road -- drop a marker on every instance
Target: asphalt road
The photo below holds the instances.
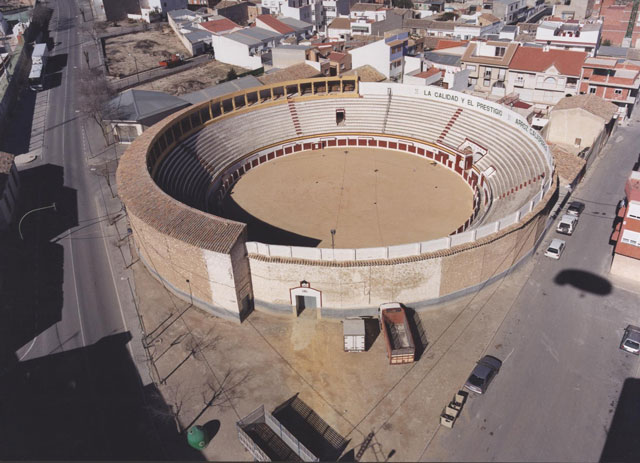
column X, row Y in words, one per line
column 90, row 308
column 562, row 377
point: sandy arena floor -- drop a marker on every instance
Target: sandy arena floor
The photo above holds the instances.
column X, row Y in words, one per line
column 371, row 197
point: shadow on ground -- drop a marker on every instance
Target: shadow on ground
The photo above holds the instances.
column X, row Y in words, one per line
column 86, row 403
column 418, row 332
column 31, row 269
column 622, row 444
column 263, row 231
column 17, row 136
column 584, row 281
column 310, row 429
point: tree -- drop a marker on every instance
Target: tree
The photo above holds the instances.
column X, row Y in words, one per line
column 95, row 94
column 606, row 42
column 232, row 74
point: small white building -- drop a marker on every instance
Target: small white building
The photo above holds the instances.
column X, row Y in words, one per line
column 570, row 35
column 386, row 55
column 245, row 48
column 372, row 11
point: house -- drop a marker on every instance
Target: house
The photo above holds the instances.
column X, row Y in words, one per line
column 454, row 77
column 488, row 63
column 245, row 47
column 340, row 28
column 9, row 186
column 332, row 9
column 303, row 29
column 509, row 11
column 508, row 32
column 287, row 55
column 626, row 234
column 386, row 55
column 186, row 25
column 219, row 25
column 569, row 35
column 614, row 80
column 236, row 10
column 301, row 10
column 371, row 11
column 578, row 121
column 543, row 76
column 133, row 111
column 432, row 76
column 574, row 9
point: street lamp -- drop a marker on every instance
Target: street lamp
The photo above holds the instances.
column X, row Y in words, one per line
column 51, row 206
column 333, row 235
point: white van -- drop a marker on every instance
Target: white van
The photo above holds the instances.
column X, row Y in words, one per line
column 567, row 224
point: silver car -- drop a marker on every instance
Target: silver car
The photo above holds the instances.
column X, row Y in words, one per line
column 631, row 339
column 486, row 369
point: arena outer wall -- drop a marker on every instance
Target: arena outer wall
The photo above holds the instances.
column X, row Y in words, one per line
column 207, row 260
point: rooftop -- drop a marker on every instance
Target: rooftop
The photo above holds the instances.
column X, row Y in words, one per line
column 340, row 23
column 297, row 71
column 538, row 60
column 367, row 7
column 275, row 24
column 442, row 58
column 366, row 73
column 224, row 88
column 221, row 24
column 137, row 105
column 591, row 103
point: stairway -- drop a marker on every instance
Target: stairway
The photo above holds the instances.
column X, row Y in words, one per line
column 452, row 121
column 386, row 113
column 294, row 116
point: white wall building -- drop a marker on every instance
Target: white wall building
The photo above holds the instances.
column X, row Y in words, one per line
column 570, row 36
column 245, row 48
column 386, row 55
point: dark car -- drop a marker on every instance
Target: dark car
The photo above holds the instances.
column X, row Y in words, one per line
column 575, row 208
column 486, row 369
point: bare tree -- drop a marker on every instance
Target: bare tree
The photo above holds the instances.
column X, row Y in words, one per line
column 167, row 406
column 95, row 99
column 198, row 344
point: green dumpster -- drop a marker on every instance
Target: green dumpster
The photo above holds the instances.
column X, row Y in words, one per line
column 197, row 437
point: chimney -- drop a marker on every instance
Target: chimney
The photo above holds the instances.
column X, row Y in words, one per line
column 545, row 48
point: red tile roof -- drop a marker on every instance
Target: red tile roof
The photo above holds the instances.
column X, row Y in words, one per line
column 219, row 25
column 536, row 59
column 442, row 44
column 336, row 56
column 274, row 24
column 428, row 73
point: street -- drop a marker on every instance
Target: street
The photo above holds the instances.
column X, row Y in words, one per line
column 562, row 375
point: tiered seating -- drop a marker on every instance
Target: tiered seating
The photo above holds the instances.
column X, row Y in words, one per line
column 187, row 172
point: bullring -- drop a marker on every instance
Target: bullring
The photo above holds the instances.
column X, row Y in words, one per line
column 174, row 178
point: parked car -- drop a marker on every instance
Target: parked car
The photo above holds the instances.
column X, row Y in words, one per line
column 631, row 339
column 555, row 249
column 484, row 372
column 575, row 208
column 567, row 224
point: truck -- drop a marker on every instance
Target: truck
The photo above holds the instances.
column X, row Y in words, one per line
column 394, row 326
column 173, row 60
column 354, row 332
column 38, row 65
column 567, row 224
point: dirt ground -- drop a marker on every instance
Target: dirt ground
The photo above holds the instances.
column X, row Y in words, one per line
column 267, row 360
column 148, row 48
column 192, row 79
column 371, row 197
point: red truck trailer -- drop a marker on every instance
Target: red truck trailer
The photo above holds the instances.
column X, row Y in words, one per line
column 397, row 333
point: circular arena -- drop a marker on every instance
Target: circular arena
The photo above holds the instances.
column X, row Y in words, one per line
column 335, row 195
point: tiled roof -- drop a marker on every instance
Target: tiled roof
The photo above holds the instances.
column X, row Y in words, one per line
column 366, row 73
column 591, row 103
column 443, row 43
column 538, row 60
column 340, row 23
column 336, row 56
column 297, row 71
column 275, row 24
column 568, row 165
column 219, row 25
column 367, row 7
column 428, row 73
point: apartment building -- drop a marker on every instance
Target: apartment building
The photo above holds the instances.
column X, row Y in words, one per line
column 488, row 63
column 626, row 257
column 386, row 55
column 570, row 35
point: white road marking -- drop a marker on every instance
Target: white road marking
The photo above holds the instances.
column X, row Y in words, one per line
column 113, row 278
column 29, row 349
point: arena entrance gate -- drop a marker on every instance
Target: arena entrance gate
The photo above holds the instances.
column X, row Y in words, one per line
column 305, row 297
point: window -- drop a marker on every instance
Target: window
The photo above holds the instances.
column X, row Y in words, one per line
column 499, row 51
column 471, row 67
column 340, row 116
column 473, row 80
column 486, row 82
column 631, row 237
column 618, row 91
column 578, row 141
column 487, row 73
column 592, row 90
column 567, row 2
column 634, row 210
column 519, row 81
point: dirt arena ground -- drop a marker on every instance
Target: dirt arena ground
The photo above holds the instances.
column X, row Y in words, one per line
column 371, row 197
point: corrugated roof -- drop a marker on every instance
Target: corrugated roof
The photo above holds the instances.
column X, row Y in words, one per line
column 591, row 103
column 224, row 88
column 295, row 23
column 137, row 105
column 442, row 58
column 533, row 59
